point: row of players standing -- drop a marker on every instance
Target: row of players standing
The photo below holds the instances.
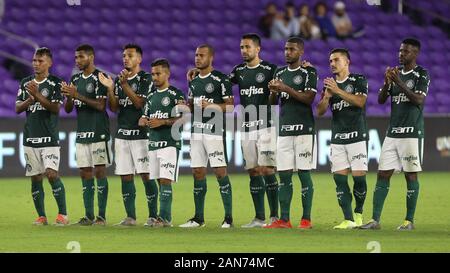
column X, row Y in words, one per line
column 156, row 159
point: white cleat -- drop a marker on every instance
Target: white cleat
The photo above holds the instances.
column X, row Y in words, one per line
column 255, row 223
column 193, row 223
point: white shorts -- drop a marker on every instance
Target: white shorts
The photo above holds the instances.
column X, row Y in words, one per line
column 401, row 153
column 39, row 159
column 206, row 147
column 131, row 156
column 353, row 156
column 259, row 148
column 164, row 163
column 93, row 154
column 296, row 152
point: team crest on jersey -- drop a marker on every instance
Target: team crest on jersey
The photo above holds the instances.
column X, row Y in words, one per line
column 209, row 88
column 260, row 77
column 349, row 88
column 90, row 87
column 410, row 84
column 134, row 87
column 45, row 92
column 298, row 79
column 165, row 101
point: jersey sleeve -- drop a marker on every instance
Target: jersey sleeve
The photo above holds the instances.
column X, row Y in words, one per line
column 21, row 93
column 179, row 98
column 144, row 86
column 232, row 76
column 57, row 96
column 362, row 87
column 311, row 80
column 101, row 91
column 226, row 87
column 423, row 83
column 116, row 87
column 146, row 108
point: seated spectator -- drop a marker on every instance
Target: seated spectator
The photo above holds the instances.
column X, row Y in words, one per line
column 341, row 21
column 286, row 24
column 325, row 24
column 309, row 29
column 266, row 21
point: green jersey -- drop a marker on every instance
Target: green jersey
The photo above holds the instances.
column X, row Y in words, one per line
column 41, row 126
column 254, row 91
column 406, row 118
column 128, row 117
column 214, row 88
column 349, row 123
column 92, row 125
column 161, row 104
column 296, row 118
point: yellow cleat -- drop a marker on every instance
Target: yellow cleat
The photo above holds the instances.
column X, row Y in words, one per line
column 346, row 224
column 358, row 219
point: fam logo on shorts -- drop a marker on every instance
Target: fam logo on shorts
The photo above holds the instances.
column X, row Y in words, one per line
column 165, row 101
column 349, row 88
column 45, row 92
column 298, row 79
column 209, row 88
column 90, row 87
column 410, row 84
column 260, row 77
column 134, row 87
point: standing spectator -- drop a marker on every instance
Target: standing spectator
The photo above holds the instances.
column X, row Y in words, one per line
column 286, row 24
column 325, row 24
column 309, row 29
column 266, row 21
column 341, row 21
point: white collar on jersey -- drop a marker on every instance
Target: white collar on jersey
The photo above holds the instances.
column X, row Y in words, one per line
column 203, row 77
column 343, row 79
column 132, row 77
column 407, row 72
column 40, row 81
column 85, row 77
column 295, row 69
column 253, row 67
column 165, row 89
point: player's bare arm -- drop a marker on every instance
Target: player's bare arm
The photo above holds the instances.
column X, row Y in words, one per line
column 415, row 98
column 225, row 107
column 306, row 97
column 137, row 101
column 107, row 81
column 33, row 89
column 324, row 103
column 356, row 100
column 384, row 94
column 71, row 91
column 23, row 105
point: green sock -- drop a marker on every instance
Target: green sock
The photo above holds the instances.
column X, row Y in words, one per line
column 411, row 199
column 88, row 197
column 307, row 193
column 226, row 193
column 151, row 191
column 199, row 198
column 359, row 192
column 37, row 192
column 165, row 199
column 344, row 195
column 102, row 196
column 379, row 195
column 129, row 197
column 60, row 195
column 285, row 194
column 272, row 193
column 257, row 192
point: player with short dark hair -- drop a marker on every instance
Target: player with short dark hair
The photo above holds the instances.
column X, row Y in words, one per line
column 346, row 95
column 40, row 97
column 93, row 153
column 402, row 149
column 127, row 96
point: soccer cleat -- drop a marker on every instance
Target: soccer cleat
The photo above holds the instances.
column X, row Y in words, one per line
column 372, row 224
column 84, row 221
column 255, row 223
column 150, row 222
column 407, row 225
column 100, row 221
column 227, row 222
column 358, row 217
column 346, row 224
column 193, row 223
column 279, row 224
column 61, row 220
column 127, row 222
column 41, row 221
column 162, row 223
column 305, row 224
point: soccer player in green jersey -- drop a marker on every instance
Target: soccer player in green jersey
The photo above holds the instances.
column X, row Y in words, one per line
column 161, row 112
column 402, row 149
column 258, row 133
column 346, row 95
column 295, row 87
column 88, row 95
column 40, row 97
column 127, row 95
column 210, row 97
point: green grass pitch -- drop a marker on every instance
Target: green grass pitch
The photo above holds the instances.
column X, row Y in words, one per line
column 432, row 221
